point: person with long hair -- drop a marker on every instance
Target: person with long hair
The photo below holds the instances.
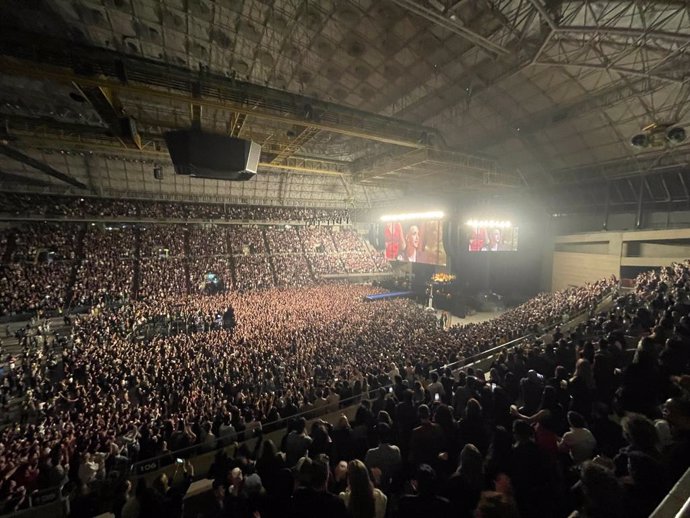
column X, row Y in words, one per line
column 465, row 485
column 269, row 465
column 362, row 499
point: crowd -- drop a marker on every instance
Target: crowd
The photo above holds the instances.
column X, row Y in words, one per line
column 325, row 264
column 162, row 240
column 208, row 241
column 245, row 240
column 283, row 240
column 348, row 240
column 306, row 350
column 18, row 204
column 380, row 262
column 570, row 425
column 50, row 266
column 162, row 277
column 357, row 261
column 58, row 241
column 32, row 287
column 291, row 270
column 106, row 272
column 253, row 272
column 199, row 268
column 317, row 240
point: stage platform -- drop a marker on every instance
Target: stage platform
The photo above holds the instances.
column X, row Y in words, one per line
column 390, row 295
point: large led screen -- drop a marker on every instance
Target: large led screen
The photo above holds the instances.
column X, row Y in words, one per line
column 496, row 237
column 413, row 241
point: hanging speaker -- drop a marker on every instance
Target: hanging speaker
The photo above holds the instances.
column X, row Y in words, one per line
column 207, row 155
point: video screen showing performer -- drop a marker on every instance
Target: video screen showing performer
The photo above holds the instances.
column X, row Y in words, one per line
column 414, row 242
column 493, row 239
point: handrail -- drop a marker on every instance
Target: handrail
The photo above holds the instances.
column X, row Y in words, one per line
column 676, row 501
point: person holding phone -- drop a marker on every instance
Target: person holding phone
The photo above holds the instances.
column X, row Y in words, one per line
column 435, row 388
column 168, row 494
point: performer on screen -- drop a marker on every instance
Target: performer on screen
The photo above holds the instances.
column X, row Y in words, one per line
column 412, row 248
column 393, row 236
column 477, row 240
column 495, row 243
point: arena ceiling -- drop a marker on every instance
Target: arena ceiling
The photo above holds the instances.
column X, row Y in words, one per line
column 357, row 102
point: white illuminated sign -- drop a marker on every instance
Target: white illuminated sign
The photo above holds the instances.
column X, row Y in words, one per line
column 413, row 216
column 488, row 223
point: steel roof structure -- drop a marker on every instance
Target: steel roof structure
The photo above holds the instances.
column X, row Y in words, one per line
column 355, row 102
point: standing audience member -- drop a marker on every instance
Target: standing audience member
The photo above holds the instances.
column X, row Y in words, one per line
column 362, row 499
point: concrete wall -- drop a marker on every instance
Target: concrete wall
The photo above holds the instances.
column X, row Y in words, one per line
column 587, row 257
column 575, row 269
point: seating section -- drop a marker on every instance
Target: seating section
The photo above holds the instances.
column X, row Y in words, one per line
column 82, row 264
column 106, row 272
column 29, row 287
column 38, row 262
column 601, row 404
column 208, row 241
column 326, row 264
column 200, row 267
column 162, row 240
column 246, row 240
column 253, row 272
column 161, row 277
column 291, row 270
column 283, row 240
column 66, row 206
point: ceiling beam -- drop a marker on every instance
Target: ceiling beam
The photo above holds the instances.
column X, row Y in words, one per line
column 106, row 146
column 628, row 32
column 42, row 58
column 544, row 13
column 452, row 25
column 109, row 108
column 304, row 136
column 36, row 164
column 14, row 179
column 618, row 70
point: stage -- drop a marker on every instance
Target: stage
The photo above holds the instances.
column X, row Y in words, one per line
column 480, row 316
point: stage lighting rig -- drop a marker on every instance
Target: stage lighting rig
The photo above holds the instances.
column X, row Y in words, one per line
column 659, row 136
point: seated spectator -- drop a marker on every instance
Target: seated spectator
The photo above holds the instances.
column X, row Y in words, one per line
column 645, row 486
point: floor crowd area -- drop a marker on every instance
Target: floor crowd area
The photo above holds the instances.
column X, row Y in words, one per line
column 120, row 395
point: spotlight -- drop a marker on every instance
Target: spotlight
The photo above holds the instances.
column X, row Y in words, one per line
column 676, row 135
column 641, row 140
column 158, row 172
